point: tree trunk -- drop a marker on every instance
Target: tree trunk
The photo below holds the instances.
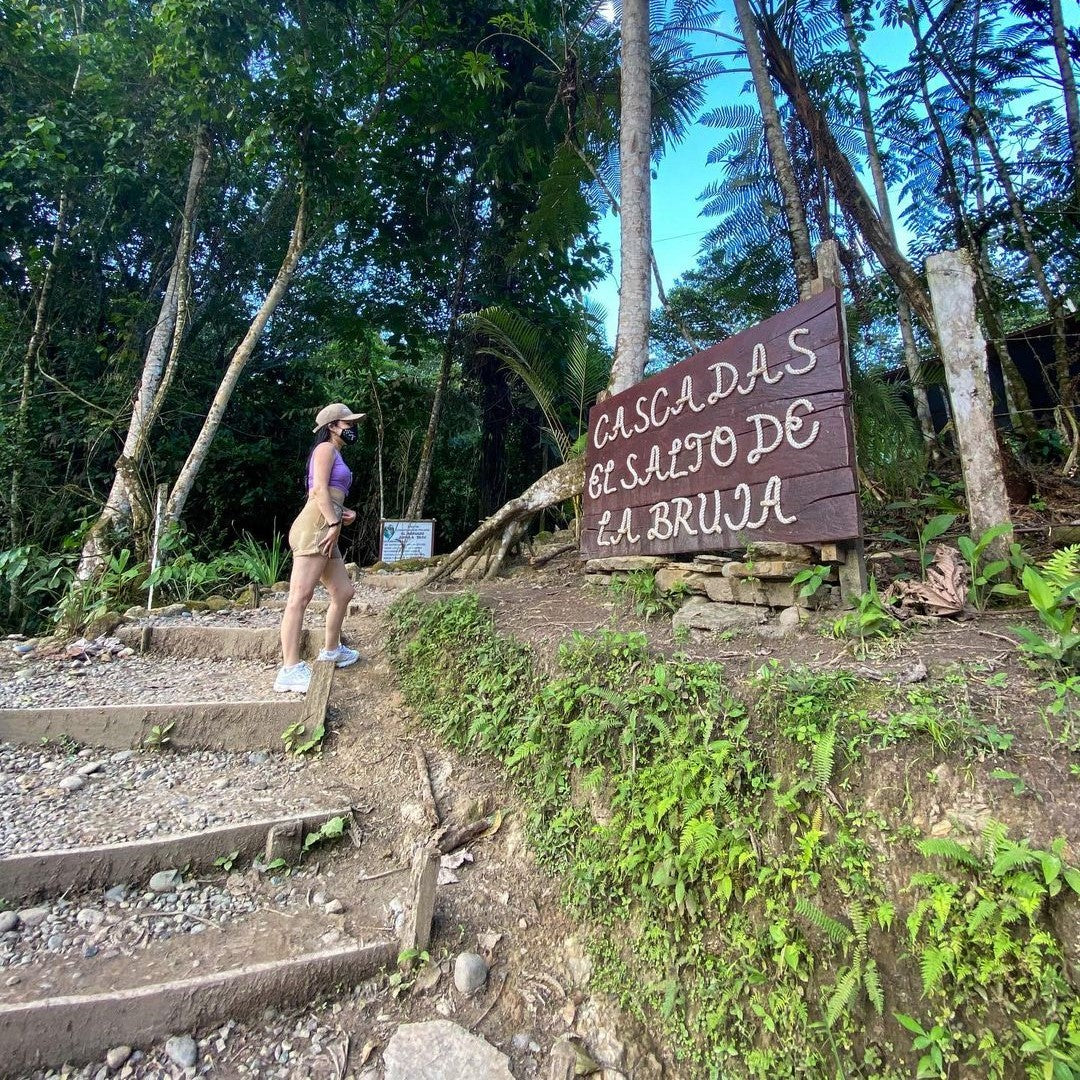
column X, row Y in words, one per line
column 980, row 125
column 30, row 358
column 846, row 185
column 163, row 344
column 427, row 452
column 798, row 233
column 1068, row 86
column 239, row 360
column 635, row 221
column 911, row 352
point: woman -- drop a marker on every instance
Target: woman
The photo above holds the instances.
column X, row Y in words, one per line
column 313, row 539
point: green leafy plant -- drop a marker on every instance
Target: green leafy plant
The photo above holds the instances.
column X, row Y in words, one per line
column 158, row 737
column 933, row 1045
column 1051, row 596
column 871, row 618
column 811, row 579
column 640, row 592
column 983, row 576
column 331, row 829
column 299, row 741
column 256, row 562
column 227, row 862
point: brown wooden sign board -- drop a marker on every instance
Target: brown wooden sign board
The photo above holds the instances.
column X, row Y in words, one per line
column 749, row 440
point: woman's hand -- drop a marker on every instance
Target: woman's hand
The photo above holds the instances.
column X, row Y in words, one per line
column 326, row 546
column 348, row 516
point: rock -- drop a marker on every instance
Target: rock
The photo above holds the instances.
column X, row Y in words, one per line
column 117, row 1057
column 135, row 612
column 182, row 1050
column 701, row 614
column 90, row 768
column 170, row 610
column 103, row 625
column 166, row 881
column 334, row 907
column 90, row 918
column 791, row 618
column 439, row 1049
column 121, row 756
column 725, row 590
column 217, row 603
column 56, row 942
column 578, row 963
column 776, row 549
column 33, row 916
column 116, row 894
column 470, row 972
column 624, row 563
column 765, row 569
column 668, row 577
column 9, row 920
column 24, row 649
column 72, row 783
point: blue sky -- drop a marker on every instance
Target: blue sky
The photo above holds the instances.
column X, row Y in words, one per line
column 677, row 229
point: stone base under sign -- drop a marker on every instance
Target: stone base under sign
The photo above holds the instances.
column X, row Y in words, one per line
column 729, row 592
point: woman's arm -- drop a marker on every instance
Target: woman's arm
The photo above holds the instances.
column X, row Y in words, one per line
column 322, row 462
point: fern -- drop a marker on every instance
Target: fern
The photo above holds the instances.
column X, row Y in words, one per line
column 933, row 964
column 873, row 987
column 836, row 931
column 822, row 763
column 948, row 849
column 1010, row 856
column 1062, row 568
column 700, row 835
column 843, row 995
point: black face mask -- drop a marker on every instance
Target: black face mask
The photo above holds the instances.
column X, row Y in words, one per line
column 348, row 435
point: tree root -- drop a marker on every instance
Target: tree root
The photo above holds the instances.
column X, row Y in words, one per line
column 497, row 533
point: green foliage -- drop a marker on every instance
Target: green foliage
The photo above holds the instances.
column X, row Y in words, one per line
column 870, row 619
column 811, row 579
column 641, row 594
column 159, row 736
column 935, row 527
column 227, row 862
column 299, row 741
column 983, row 575
column 726, row 863
column 1052, row 597
column 258, row 563
column 331, row 829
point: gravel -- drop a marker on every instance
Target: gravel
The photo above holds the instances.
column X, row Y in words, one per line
column 137, row 795
column 297, row 1045
column 134, row 680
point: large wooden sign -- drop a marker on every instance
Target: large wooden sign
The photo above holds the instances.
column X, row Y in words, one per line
column 749, row 440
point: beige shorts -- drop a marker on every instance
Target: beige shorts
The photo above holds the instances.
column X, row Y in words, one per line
column 309, row 529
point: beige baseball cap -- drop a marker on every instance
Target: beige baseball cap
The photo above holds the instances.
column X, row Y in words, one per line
column 337, row 411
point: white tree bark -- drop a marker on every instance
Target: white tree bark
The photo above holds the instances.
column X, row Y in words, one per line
column 185, row 481
column 162, row 344
column 963, row 353
column 635, row 220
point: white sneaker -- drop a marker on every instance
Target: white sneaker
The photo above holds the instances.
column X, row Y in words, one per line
column 293, row 680
column 342, row 656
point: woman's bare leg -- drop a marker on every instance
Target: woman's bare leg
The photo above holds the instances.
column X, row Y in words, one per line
column 340, row 587
column 306, row 571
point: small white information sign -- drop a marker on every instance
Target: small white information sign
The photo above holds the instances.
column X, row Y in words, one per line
column 407, row 540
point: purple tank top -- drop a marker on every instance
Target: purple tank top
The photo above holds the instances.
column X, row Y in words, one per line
column 340, row 473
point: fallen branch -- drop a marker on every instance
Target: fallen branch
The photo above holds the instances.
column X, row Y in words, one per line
column 427, row 793
column 458, row 836
column 553, row 488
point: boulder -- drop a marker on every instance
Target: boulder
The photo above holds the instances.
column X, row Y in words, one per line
column 667, row 577
column 775, row 549
column 701, row 614
column 439, row 1049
